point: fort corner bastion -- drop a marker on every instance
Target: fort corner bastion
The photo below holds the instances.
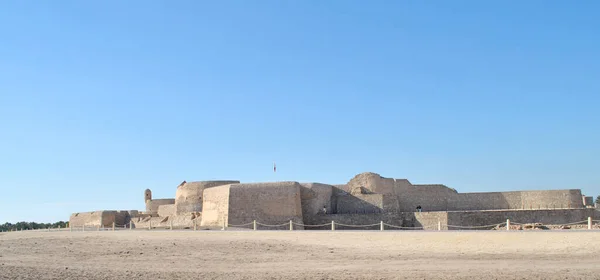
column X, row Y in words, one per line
column 367, row 198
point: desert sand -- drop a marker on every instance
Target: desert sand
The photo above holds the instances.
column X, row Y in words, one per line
column 141, row 254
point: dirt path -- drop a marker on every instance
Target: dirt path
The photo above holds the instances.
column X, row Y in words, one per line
column 300, row 255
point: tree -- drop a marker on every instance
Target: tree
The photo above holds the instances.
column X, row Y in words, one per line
column 31, row 225
column 598, row 199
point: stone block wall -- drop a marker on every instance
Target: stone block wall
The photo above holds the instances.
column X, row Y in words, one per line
column 99, row 219
column 268, row 203
column 429, row 220
column 439, row 197
column 315, row 197
column 166, row 210
column 215, row 206
column 152, row 205
column 428, row 199
column 397, row 219
column 548, row 199
column 188, row 197
column 548, row 216
column 93, row 219
column 359, row 204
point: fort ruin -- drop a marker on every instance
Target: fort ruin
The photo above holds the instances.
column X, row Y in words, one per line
column 367, row 198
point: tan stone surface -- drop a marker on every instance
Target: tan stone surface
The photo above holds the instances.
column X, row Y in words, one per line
column 93, row 218
column 372, row 182
column 300, row 255
column 104, row 218
column 315, row 197
column 188, row 197
column 275, row 203
column 166, row 210
column 437, row 197
column 215, row 206
column 267, row 203
column 152, row 205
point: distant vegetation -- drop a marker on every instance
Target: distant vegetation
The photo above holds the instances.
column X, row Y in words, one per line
column 31, row 225
column 598, row 199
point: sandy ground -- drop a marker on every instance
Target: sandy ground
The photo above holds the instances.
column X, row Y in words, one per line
column 300, row 255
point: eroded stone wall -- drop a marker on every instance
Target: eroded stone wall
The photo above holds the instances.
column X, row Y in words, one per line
column 397, row 219
column 99, row 219
column 407, row 197
column 548, row 199
column 93, row 218
column 152, row 205
column 188, row 197
column 359, row 204
column 549, row 217
column 215, row 205
column 372, row 182
column 407, row 220
column 268, row 203
column 315, row 197
column 166, row 210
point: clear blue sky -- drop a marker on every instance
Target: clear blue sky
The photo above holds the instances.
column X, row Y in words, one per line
column 100, row 100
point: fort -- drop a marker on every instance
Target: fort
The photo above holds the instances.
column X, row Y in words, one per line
column 367, row 198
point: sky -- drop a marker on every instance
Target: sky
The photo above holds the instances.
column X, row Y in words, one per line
column 100, row 100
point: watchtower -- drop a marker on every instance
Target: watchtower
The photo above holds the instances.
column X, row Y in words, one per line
column 147, row 195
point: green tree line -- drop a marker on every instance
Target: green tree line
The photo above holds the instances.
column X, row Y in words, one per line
column 31, row 225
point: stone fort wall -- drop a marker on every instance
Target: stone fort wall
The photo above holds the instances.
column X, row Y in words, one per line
column 166, row 210
column 315, row 197
column 268, row 203
column 433, row 200
column 517, row 200
column 399, row 195
column 152, row 205
column 366, row 197
column 188, row 197
column 99, row 218
column 424, row 220
column 429, row 220
column 549, row 216
column 215, row 206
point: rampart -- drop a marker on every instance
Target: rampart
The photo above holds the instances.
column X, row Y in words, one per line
column 188, row 197
column 547, row 216
column 166, row 210
column 360, row 204
column 316, row 198
column 215, row 206
column 397, row 220
column 271, row 203
column 367, row 198
column 152, row 205
column 406, row 197
column 99, row 218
